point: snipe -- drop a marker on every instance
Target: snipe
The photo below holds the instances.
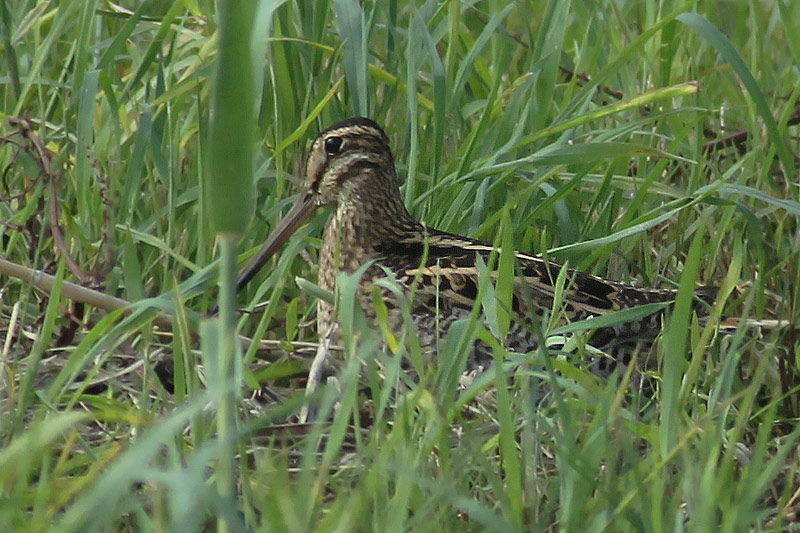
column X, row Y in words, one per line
column 351, row 167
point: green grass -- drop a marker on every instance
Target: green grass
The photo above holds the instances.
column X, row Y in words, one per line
column 572, row 129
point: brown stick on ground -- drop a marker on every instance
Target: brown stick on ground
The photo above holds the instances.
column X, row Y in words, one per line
column 77, row 293
column 73, row 291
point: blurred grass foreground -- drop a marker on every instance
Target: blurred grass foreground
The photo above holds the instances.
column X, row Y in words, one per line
column 653, row 142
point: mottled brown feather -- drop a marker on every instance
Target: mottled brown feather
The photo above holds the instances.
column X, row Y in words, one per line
column 351, row 167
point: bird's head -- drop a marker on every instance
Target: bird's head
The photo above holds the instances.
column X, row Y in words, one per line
column 349, row 160
column 352, row 154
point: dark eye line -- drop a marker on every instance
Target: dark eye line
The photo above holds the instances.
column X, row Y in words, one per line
column 355, row 168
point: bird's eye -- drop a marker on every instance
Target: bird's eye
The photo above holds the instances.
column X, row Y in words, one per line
column 333, row 145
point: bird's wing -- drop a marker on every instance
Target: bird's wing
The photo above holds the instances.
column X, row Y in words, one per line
column 442, row 263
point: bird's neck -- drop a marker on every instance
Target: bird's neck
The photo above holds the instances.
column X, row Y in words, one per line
column 361, row 223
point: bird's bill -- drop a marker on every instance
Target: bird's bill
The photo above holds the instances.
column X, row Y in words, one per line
column 300, row 211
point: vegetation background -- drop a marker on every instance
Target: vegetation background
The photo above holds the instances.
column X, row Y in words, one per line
column 646, row 141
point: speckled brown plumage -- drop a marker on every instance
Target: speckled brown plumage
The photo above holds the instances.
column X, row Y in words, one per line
column 350, row 166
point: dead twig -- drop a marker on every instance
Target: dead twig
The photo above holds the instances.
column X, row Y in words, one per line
column 39, row 153
column 77, row 293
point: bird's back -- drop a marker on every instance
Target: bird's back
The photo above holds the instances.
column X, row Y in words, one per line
column 440, row 271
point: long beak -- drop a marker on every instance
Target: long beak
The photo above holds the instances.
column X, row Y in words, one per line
column 300, row 211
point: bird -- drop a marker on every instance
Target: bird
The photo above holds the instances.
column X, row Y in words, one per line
column 350, row 167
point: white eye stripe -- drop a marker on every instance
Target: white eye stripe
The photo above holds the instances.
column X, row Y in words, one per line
column 354, row 133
